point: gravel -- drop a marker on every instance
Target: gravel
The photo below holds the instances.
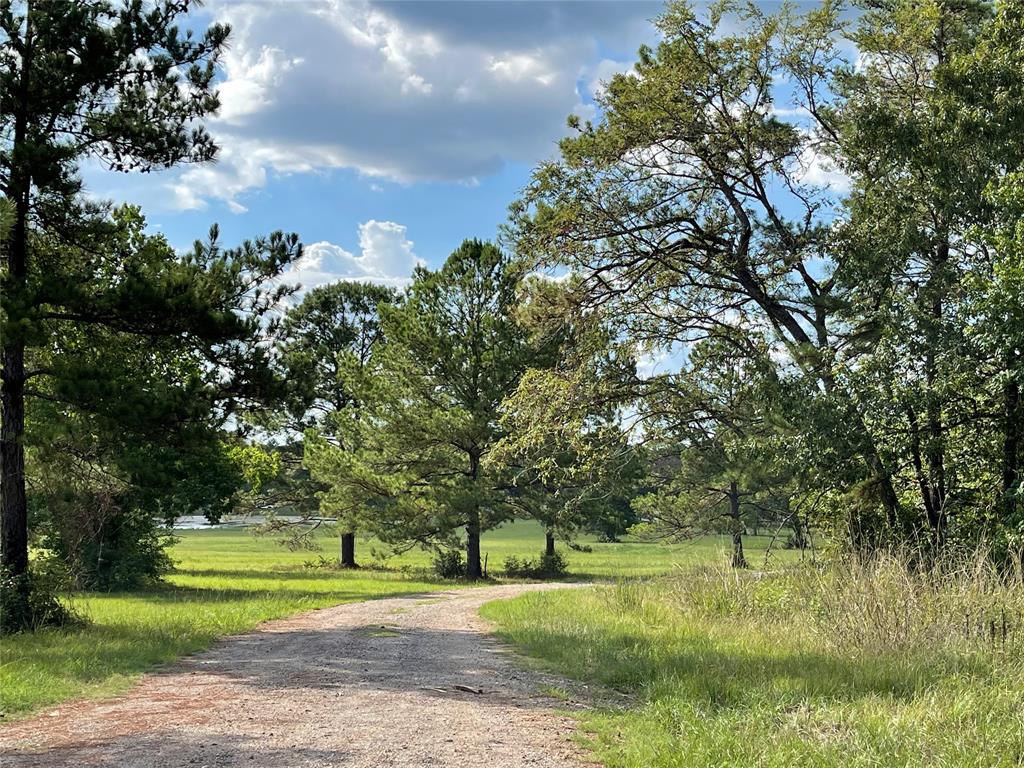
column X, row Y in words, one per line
column 413, row 681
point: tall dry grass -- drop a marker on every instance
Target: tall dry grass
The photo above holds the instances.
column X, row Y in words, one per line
column 894, row 601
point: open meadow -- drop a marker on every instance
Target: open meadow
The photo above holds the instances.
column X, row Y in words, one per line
column 228, row 580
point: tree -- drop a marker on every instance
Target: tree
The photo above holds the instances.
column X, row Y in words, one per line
column 137, row 362
column 713, row 444
column 918, row 190
column 121, row 85
column 326, row 345
column 984, row 93
column 453, row 352
column 564, row 445
column 695, row 206
column 687, row 204
column 137, row 358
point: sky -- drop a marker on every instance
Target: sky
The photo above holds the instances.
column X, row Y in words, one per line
column 384, row 133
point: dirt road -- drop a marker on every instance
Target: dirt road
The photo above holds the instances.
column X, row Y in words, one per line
column 364, row 684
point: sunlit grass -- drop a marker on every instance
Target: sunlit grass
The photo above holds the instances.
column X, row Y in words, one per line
column 227, row 550
column 228, row 581
column 770, row 685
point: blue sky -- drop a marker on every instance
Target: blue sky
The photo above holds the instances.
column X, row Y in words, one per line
column 384, row 133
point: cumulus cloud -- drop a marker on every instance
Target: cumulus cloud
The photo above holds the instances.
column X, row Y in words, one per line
column 385, row 256
column 401, row 91
column 819, row 170
column 651, row 363
column 251, row 78
column 603, row 73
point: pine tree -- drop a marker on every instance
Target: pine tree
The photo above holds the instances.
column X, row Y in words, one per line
column 453, row 352
column 327, row 344
column 121, row 85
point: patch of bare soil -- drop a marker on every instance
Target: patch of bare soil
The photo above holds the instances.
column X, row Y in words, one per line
column 401, row 682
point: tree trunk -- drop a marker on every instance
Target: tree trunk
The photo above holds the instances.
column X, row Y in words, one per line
column 738, row 559
column 13, row 500
column 935, row 449
column 1013, row 435
column 348, row 550
column 473, row 569
column 549, row 543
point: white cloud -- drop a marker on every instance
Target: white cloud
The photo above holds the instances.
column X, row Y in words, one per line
column 819, row 170
column 386, row 256
column 603, row 73
column 795, row 113
column 238, row 169
column 251, row 77
column 523, row 66
column 399, row 91
column 651, row 363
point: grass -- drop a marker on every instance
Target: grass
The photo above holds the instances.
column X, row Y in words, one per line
column 520, row 538
column 228, row 581
column 788, row 670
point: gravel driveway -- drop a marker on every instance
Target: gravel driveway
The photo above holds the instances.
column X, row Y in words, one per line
column 389, row 682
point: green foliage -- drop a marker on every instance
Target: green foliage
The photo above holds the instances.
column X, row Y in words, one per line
column 45, row 609
column 448, row 564
column 130, row 356
column 571, row 462
column 326, row 344
column 257, row 465
column 102, row 543
column 139, row 363
column 547, row 566
column 878, row 328
column 414, row 466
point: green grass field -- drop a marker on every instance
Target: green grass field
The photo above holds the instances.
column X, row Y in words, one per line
column 719, row 685
column 228, row 581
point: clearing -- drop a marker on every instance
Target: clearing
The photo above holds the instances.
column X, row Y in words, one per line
column 228, row 581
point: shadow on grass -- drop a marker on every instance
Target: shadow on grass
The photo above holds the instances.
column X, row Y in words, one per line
column 711, row 672
column 278, row 573
column 139, row 630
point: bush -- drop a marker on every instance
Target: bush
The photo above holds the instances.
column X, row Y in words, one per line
column 448, row 564
column 99, row 536
column 105, row 544
column 44, row 608
column 546, row 567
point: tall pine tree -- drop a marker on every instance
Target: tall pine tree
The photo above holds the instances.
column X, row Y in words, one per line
column 453, row 352
column 119, row 84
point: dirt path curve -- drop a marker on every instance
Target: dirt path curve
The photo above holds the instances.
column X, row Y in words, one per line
column 364, row 684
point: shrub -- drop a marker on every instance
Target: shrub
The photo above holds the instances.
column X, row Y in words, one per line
column 547, row 566
column 44, row 608
column 448, row 564
column 101, row 539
